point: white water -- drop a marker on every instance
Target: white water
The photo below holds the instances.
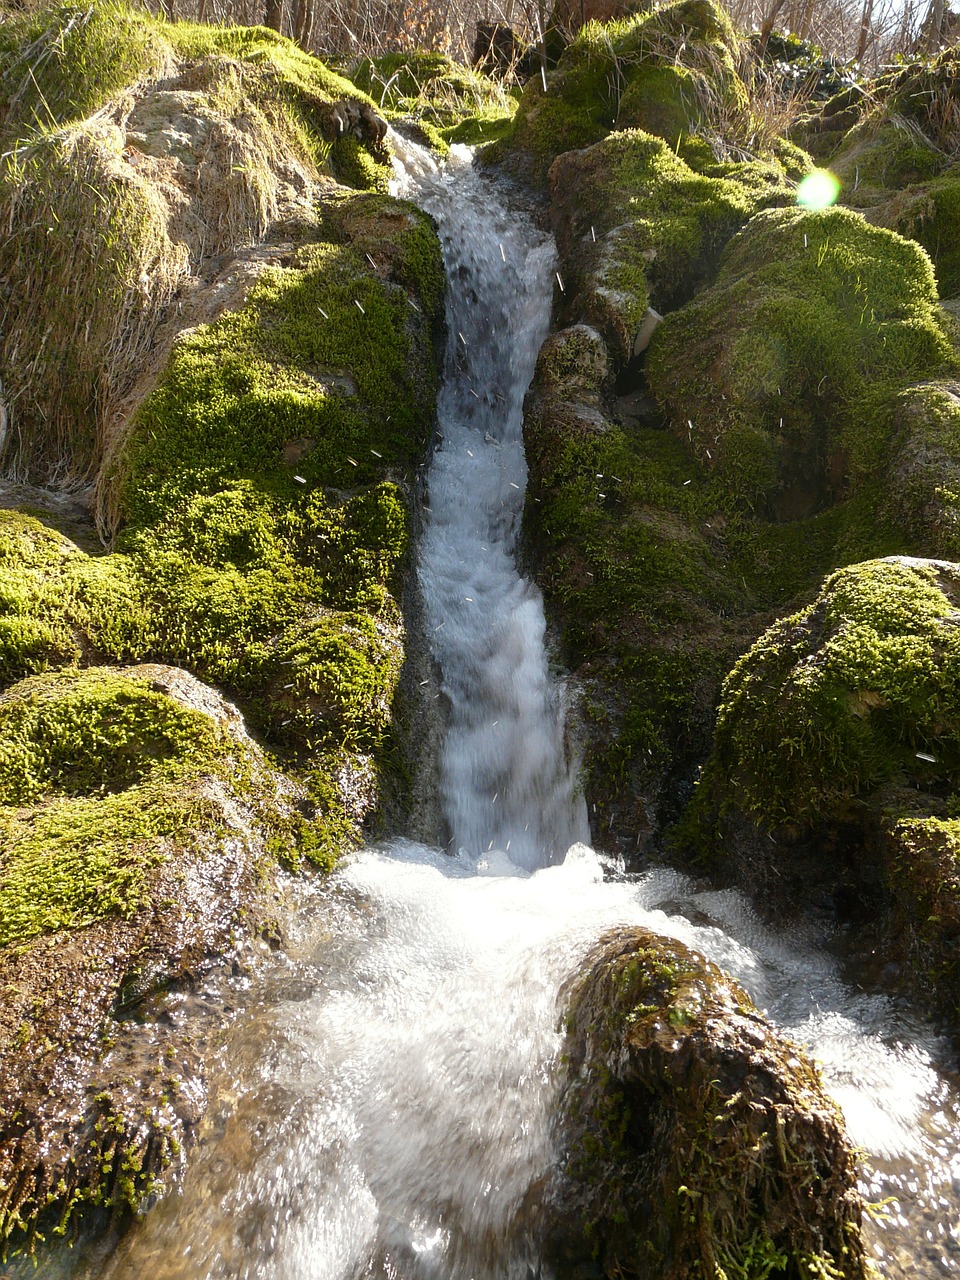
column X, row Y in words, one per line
column 383, row 1111
column 505, row 781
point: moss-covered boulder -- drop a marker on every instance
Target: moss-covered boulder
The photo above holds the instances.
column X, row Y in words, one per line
column 669, row 72
column 836, row 759
column 777, row 375
column 637, row 227
column 136, row 154
column 695, row 1140
column 138, row 829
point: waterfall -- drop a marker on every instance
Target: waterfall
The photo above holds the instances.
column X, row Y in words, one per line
column 383, row 1106
column 505, row 780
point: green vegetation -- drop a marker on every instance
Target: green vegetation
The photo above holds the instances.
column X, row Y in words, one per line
column 930, row 214
column 59, row 65
column 778, row 375
column 259, row 539
column 671, row 72
column 856, row 691
column 101, row 778
column 639, row 227
column 104, row 220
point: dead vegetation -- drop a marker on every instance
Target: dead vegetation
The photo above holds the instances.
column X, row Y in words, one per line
column 207, row 151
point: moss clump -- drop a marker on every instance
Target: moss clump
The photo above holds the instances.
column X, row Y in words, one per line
column 930, row 215
column 668, row 72
column 99, row 773
column 633, row 563
column 922, row 857
column 854, row 692
column 240, row 556
column 637, row 226
column 695, row 1141
column 771, row 376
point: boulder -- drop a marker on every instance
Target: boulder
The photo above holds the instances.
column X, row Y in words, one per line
column 137, row 827
column 836, row 765
column 695, row 1140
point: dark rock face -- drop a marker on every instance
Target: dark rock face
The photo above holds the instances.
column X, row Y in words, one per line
column 695, row 1140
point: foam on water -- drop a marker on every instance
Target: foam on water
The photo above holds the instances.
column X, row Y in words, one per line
column 386, row 1111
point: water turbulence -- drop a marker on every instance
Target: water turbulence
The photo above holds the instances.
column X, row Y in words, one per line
column 505, row 780
column 384, row 1106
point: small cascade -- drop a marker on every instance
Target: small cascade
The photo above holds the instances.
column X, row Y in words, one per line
column 506, row 780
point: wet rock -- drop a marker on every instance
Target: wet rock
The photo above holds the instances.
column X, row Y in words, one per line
column 695, row 1139
column 137, row 820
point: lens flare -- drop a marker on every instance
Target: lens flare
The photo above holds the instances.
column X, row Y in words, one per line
column 818, row 190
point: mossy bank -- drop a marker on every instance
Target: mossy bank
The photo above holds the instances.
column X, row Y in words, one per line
column 742, row 396
column 229, row 357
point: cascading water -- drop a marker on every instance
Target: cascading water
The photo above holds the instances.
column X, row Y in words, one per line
column 383, row 1109
column 505, row 781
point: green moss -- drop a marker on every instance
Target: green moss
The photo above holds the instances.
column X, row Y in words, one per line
column 631, row 547
column 60, row 64
column 260, row 541
column 923, row 873
column 677, row 1096
column 95, row 243
column 655, row 226
column 355, row 167
column 98, row 773
column 931, row 216
column 834, row 702
column 668, row 71
column 476, row 130
column 813, row 320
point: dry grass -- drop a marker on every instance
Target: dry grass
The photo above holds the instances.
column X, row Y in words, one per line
column 150, row 210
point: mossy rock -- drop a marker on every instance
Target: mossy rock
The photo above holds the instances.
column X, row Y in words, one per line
column 629, row 543
column 59, row 65
column 695, row 1140
column 930, row 214
column 921, row 468
column 636, row 226
column 776, row 376
column 839, row 700
column 836, row 764
column 878, row 156
column 922, row 867
column 668, row 72
column 138, row 823
column 201, row 141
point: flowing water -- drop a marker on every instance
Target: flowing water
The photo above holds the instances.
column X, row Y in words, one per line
column 383, row 1105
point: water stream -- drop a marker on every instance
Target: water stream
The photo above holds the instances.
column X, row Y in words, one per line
column 382, row 1110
